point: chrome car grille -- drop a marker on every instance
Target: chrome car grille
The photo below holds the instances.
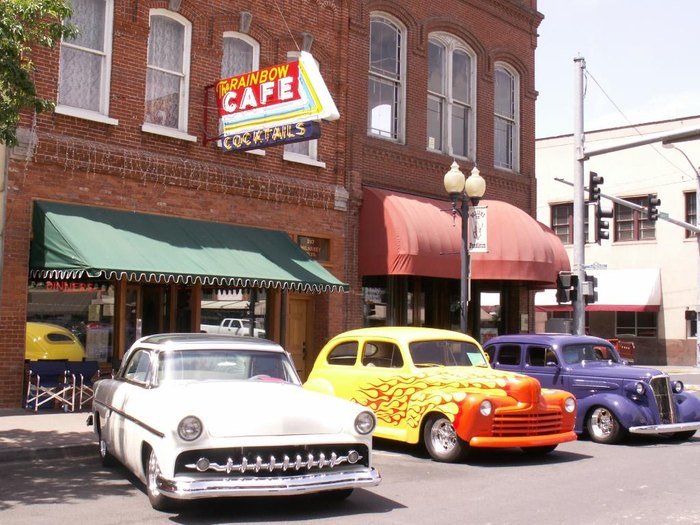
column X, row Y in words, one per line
column 271, row 461
column 511, row 424
column 661, row 387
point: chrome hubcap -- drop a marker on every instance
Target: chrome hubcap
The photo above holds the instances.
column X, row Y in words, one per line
column 443, row 435
column 602, row 422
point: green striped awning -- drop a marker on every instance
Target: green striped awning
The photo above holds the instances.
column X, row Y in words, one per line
column 73, row 242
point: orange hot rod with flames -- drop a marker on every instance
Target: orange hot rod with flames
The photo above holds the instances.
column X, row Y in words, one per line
column 436, row 386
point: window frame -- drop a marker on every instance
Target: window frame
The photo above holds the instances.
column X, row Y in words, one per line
column 570, row 222
column 311, row 158
column 183, row 104
column 512, row 163
column 691, row 214
column 448, row 103
column 640, row 225
column 254, row 66
column 398, row 127
column 637, row 329
column 102, row 114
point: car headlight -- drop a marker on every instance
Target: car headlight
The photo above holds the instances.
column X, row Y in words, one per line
column 570, row 404
column 190, row 428
column 365, row 423
column 485, row 407
column 639, row 388
column 677, row 387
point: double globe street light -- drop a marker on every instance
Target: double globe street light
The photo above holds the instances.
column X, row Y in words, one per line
column 465, row 190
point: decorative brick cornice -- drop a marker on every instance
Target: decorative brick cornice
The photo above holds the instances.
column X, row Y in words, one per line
column 79, row 156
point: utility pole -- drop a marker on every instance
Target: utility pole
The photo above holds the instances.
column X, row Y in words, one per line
column 579, row 220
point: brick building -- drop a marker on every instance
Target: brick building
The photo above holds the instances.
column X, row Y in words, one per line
column 124, row 217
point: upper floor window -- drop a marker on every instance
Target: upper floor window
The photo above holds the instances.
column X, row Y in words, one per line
column 306, row 151
column 241, row 54
column 85, row 63
column 562, row 221
column 386, row 78
column 168, row 72
column 632, row 225
column 450, row 118
column 691, row 212
column 506, row 121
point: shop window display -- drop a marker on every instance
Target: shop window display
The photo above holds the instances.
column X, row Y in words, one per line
column 84, row 308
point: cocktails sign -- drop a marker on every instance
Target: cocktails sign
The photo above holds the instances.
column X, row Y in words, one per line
column 270, row 100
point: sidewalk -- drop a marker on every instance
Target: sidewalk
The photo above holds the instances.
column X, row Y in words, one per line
column 49, row 434
column 44, row 435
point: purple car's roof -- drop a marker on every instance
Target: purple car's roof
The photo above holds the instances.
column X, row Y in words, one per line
column 547, row 338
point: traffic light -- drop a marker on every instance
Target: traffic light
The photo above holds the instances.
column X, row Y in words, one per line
column 590, row 289
column 652, row 211
column 603, row 226
column 594, row 181
column 567, row 284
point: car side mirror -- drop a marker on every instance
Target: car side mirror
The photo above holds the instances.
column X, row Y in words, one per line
column 552, row 363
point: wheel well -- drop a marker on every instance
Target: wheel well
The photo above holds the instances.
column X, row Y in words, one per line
column 145, row 453
column 427, row 418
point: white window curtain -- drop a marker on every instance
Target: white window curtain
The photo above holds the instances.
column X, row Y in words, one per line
column 167, row 74
column 85, row 59
column 240, row 54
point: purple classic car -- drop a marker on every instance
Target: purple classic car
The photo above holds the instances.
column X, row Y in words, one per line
column 614, row 398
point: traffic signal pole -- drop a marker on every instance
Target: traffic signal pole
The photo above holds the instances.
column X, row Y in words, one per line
column 579, row 202
column 581, row 154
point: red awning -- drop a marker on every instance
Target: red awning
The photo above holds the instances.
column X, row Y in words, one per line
column 403, row 234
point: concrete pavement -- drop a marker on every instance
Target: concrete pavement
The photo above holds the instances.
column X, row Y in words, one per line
column 53, row 434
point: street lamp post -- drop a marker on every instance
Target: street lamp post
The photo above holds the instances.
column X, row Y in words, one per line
column 466, row 190
column 697, row 237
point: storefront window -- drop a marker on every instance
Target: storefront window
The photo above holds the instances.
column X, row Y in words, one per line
column 84, row 308
column 249, row 306
column 375, row 305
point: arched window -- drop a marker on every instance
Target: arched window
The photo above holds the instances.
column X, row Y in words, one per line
column 168, row 73
column 241, row 54
column 387, row 65
column 86, row 62
column 451, row 92
column 506, row 118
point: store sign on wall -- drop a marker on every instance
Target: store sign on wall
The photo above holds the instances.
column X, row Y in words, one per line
column 315, row 247
column 273, row 105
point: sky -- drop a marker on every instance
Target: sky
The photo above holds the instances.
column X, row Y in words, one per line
column 642, row 62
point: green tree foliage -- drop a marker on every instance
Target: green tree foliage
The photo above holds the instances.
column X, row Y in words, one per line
column 26, row 25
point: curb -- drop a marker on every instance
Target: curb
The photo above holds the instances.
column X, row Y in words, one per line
column 16, row 454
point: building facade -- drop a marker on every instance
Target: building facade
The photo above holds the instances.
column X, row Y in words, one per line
column 646, row 270
column 124, row 216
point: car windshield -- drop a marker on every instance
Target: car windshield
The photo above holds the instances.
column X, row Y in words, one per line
column 226, row 365
column 446, row 353
column 578, row 353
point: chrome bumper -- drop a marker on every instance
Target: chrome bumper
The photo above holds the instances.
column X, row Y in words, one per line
column 663, row 429
column 226, row 487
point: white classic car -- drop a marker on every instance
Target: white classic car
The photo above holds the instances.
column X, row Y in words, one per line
column 208, row 415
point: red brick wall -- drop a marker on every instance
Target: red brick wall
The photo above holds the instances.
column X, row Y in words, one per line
column 497, row 32
column 96, row 164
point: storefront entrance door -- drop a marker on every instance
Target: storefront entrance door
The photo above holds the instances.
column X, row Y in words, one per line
column 297, row 333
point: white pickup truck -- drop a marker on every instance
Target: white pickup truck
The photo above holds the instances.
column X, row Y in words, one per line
column 232, row 326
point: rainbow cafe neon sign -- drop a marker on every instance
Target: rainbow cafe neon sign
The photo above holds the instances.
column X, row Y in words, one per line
column 275, row 105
